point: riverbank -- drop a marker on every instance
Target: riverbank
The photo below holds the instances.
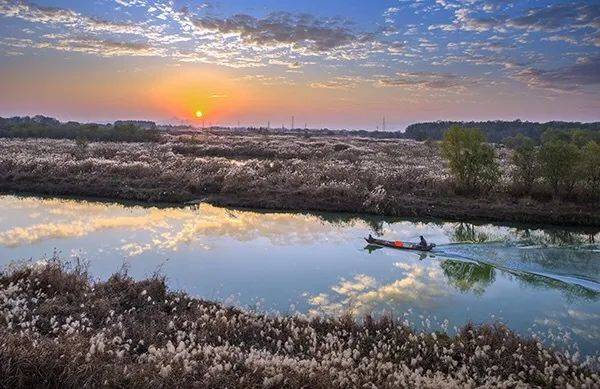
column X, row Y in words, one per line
column 59, row 329
column 387, row 177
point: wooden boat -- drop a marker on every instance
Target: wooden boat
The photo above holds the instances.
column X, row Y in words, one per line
column 399, row 244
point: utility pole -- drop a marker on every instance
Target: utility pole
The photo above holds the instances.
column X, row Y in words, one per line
column 383, row 127
column 292, row 123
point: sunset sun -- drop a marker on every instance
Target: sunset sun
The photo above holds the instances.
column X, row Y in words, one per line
column 199, row 114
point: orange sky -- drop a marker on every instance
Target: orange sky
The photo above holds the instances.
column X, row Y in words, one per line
column 336, row 64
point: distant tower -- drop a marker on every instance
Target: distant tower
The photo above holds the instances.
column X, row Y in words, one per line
column 383, row 126
column 269, row 125
column 292, row 122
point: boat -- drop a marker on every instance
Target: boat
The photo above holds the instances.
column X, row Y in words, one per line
column 397, row 244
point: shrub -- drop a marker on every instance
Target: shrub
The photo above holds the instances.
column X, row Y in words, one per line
column 558, row 162
column 589, row 167
column 525, row 163
column 472, row 162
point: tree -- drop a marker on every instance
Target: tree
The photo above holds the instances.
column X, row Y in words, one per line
column 558, row 163
column 472, row 162
column 589, row 167
column 525, row 164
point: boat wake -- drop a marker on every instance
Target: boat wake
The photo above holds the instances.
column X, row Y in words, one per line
column 576, row 265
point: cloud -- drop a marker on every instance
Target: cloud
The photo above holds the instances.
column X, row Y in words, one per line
column 467, row 22
column 288, row 64
column 89, row 45
column 338, row 83
column 53, row 15
column 103, row 47
column 559, row 16
column 552, row 18
column 568, row 78
column 131, row 3
column 427, row 80
column 396, row 47
column 300, row 32
column 561, row 38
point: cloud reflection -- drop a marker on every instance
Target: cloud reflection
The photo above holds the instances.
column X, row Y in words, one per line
column 420, row 285
column 35, row 220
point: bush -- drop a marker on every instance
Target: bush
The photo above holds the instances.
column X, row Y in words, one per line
column 524, row 159
column 558, row 162
column 472, row 162
column 589, row 167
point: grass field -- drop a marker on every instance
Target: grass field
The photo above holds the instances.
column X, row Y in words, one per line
column 58, row 329
column 388, row 177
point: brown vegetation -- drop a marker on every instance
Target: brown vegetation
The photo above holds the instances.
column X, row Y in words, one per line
column 390, row 177
column 60, row 330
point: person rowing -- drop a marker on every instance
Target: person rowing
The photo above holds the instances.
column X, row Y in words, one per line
column 423, row 242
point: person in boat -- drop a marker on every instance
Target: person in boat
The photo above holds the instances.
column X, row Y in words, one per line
column 423, row 242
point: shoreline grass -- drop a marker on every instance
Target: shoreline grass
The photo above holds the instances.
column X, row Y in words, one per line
column 385, row 177
column 59, row 329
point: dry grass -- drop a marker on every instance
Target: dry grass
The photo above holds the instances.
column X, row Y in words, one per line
column 58, row 329
column 391, row 177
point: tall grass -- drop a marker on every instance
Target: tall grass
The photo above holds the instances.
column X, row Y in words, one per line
column 58, row 329
column 392, row 177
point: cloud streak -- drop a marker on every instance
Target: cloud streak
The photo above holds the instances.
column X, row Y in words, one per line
column 568, row 78
column 427, row 80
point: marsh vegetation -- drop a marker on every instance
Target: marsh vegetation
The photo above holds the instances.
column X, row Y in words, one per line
column 59, row 329
column 389, row 177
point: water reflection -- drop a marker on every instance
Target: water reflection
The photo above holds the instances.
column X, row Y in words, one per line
column 319, row 263
column 552, row 236
column 465, row 232
column 417, row 285
column 468, row 277
column 170, row 228
column 574, row 266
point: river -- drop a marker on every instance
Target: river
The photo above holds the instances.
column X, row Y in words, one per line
column 538, row 281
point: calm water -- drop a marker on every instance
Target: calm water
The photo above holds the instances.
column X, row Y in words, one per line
column 545, row 281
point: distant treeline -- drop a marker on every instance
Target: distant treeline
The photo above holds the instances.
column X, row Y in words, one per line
column 308, row 132
column 504, row 132
column 45, row 127
column 145, row 131
column 494, row 131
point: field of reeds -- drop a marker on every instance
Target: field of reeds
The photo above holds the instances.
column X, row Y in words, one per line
column 59, row 329
column 388, row 177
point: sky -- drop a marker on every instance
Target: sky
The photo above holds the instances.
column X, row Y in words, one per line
column 327, row 63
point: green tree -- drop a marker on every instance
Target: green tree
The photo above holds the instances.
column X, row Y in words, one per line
column 558, row 165
column 553, row 134
column 525, row 164
column 471, row 160
column 589, row 167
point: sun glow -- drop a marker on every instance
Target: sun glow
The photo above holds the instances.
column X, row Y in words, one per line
column 199, row 114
